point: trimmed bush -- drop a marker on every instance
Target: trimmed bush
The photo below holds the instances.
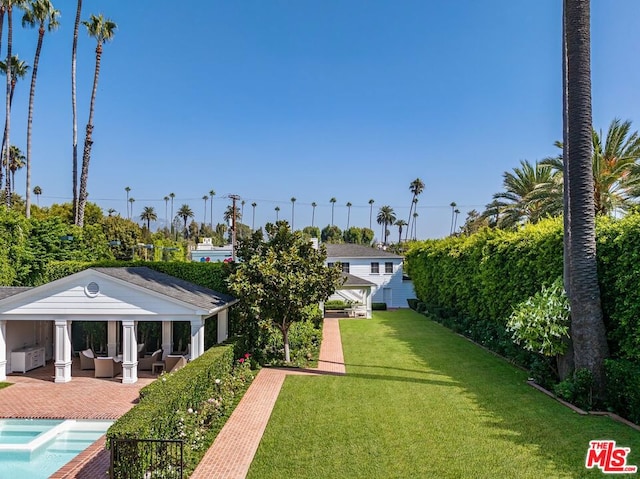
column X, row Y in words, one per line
column 413, row 303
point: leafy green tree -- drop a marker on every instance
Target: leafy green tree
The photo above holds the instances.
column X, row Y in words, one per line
column 357, row 235
column 331, row 234
column 38, row 12
column 122, row 235
column 279, row 278
column 311, row 231
column 103, row 30
column 93, row 213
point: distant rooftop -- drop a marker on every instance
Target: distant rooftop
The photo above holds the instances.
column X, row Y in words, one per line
column 348, row 250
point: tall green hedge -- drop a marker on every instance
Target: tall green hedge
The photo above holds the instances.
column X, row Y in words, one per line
column 481, row 277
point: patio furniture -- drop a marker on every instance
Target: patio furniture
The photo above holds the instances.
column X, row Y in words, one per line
column 141, row 349
column 86, row 359
column 173, row 362
column 157, row 367
column 107, row 367
column 145, row 363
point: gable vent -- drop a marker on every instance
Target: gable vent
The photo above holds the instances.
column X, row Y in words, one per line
column 92, row 289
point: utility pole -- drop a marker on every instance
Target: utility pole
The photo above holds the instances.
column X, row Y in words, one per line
column 234, row 198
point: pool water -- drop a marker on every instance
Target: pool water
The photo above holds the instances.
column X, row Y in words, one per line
column 36, row 448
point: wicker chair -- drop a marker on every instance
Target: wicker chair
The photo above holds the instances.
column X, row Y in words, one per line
column 107, row 367
column 144, row 364
column 86, row 359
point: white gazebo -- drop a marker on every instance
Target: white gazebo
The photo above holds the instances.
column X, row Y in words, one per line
column 39, row 319
column 355, row 290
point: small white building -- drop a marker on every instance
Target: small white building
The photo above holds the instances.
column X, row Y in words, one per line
column 376, row 266
column 37, row 321
column 206, row 252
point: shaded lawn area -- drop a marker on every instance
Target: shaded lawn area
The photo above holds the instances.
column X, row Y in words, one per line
column 419, row 401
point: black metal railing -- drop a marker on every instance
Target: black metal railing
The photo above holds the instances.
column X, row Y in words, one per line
column 146, row 459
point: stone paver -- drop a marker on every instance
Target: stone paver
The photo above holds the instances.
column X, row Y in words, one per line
column 231, row 454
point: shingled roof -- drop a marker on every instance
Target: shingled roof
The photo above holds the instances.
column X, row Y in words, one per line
column 348, row 250
column 8, row 291
column 353, row 280
column 169, row 286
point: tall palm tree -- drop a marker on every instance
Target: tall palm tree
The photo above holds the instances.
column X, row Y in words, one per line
column 38, row 12
column 616, row 174
column 9, row 4
column 166, row 207
column 371, row 202
column 414, row 225
column 349, row 205
column 229, row 214
column 455, row 219
column 416, row 187
column 127, row 189
column 386, row 216
column 277, row 209
column 172, row 196
column 313, row 212
column 74, row 51
column 587, row 327
column 103, row 30
column 130, row 210
column 148, row 214
column 19, row 70
column 37, row 191
column 333, row 203
column 185, row 213
column 253, row 216
column 212, row 193
column 242, row 203
column 16, row 162
column 400, row 224
column 528, row 197
column 453, row 207
column 293, row 204
column 204, row 219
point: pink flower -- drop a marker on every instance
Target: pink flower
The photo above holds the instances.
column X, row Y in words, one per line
column 247, row 356
column 241, row 360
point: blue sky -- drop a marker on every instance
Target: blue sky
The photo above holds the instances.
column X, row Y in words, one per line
column 316, row 99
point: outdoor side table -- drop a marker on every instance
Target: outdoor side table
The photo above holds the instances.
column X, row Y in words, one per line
column 157, row 367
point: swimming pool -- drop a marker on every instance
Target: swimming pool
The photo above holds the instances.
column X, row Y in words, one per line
column 36, row 448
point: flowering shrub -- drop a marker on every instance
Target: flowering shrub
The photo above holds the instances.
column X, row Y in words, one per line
column 197, row 426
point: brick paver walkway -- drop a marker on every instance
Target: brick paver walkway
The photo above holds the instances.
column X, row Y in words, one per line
column 232, row 452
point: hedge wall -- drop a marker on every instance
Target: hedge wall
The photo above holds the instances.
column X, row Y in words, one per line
column 481, row 277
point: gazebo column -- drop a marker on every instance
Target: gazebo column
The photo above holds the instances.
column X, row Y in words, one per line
column 223, row 325
column 129, row 352
column 368, row 295
column 112, row 333
column 3, row 349
column 167, row 341
column 197, row 337
column 62, row 351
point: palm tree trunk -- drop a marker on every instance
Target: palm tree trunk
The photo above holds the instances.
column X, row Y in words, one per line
column 32, row 92
column 7, row 189
column 587, row 326
column 2, row 12
column 88, row 142
column 74, row 50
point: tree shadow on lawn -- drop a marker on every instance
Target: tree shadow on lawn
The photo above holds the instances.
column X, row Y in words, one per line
column 510, row 409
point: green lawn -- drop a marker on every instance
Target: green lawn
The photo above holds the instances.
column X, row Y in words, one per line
column 419, row 401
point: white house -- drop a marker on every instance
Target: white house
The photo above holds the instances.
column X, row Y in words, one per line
column 206, row 252
column 376, row 266
column 37, row 321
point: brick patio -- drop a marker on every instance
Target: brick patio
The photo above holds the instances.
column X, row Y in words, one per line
column 35, row 395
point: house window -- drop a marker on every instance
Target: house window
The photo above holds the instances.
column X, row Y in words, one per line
column 388, row 267
column 329, row 265
column 375, row 268
column 345, row 267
